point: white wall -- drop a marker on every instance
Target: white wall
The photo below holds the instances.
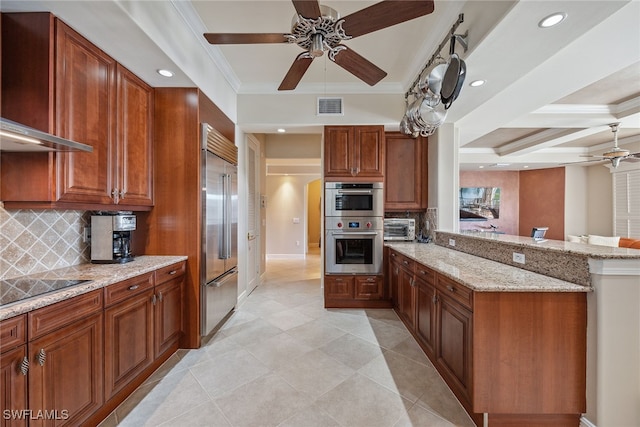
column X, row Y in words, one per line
column 286, row 200
column 444, row 176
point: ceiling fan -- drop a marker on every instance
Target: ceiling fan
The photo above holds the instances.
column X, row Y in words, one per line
column 616, row 154
column 318, row 29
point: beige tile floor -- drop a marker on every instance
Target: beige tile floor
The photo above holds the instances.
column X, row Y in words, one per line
column 283, row 360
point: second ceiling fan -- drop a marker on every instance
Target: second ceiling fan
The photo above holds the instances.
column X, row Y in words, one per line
column 317, row 29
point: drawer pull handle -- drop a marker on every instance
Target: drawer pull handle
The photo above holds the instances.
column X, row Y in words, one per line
column 133, row 287
column 424, row 273
column 405, row 262
column 451, row 288
column 393, row 255
column 153, row 299
column 42, row 357
column 412, row 282
column 370, row 279
column 172, row 272
column 24, row 366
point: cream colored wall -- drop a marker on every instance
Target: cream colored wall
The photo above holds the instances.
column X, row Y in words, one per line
column 314, row 213
column 599, row 201
column 575, row 201
column 293, row 146
column 286, row 201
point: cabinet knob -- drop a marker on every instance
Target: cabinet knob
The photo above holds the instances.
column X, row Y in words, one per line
column 24, row 366
column 172, row 272
column 370, row 279
column 434, row 299
column 153, row 299
column 133, row 287
column 159, row 296
column 451, row 288
column 42, row 357
column 122, row 193
column 114, row 194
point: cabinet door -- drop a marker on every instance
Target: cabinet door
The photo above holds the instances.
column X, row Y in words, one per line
column 454, row 340
column 85, row 101
column 168, row 315
column 66, row 372
column 368, row 149
column 338, row 287
column 405, row 173
column 134, row 161
column 339, row 158
column 13, row 387
column 368, row 287
column 406, row 297
column 129, row 340
column 425, row 312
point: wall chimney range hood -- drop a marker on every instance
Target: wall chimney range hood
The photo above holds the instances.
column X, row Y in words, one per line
column 15, row 137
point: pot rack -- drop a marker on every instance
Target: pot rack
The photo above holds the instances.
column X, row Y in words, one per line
column 460, row 38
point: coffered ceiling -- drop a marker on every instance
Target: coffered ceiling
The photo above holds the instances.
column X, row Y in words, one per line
column 549, row 93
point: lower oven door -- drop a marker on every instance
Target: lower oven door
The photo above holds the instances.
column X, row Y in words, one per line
column 353, row 252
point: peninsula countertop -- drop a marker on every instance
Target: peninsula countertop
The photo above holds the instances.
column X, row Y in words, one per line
column 480, row 274
column 97, row 276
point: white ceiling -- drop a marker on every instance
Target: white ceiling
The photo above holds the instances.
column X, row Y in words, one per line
column 549, row 96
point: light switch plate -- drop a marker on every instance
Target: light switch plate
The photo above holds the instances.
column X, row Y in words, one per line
column 519, row 258
column 452, row 242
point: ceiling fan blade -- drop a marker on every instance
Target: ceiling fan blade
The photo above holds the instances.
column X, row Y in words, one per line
column 307, row 8
column 244, row 38
column 384, row 14
column 359, row 66
column 295, row 73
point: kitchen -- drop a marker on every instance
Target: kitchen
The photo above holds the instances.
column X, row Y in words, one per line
column 447, row 221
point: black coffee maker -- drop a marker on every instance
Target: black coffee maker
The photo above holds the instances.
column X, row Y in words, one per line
column 111, row 238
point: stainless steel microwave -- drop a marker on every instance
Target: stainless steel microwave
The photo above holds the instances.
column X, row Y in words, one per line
column 354, row 199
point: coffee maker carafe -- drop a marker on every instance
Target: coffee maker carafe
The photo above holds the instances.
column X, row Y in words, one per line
column 111, row 238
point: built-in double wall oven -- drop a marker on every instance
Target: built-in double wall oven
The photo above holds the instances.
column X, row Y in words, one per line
column 354, row 227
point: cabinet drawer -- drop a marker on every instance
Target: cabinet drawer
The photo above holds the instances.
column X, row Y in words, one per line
column 456, row 291
column 369, row 287
column 169, row 272
column 426, row 274
column 338, row 287
column 13, row 332
column 52, row 317
column 128, row 288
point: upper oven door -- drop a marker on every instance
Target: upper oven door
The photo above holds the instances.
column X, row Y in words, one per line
column 354, row 199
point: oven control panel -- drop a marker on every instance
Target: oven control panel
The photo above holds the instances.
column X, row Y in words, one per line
column 353, row 223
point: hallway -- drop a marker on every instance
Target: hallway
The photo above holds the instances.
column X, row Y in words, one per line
column 283, row 360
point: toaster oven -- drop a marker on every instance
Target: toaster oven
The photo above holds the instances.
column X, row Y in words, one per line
column 399, row 229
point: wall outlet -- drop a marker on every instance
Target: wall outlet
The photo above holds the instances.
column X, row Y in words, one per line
column 452, row 242
column 519, row 258
column 86, row 235
column 297, row 242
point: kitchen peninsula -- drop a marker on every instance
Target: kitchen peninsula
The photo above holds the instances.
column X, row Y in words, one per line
column 502, row 336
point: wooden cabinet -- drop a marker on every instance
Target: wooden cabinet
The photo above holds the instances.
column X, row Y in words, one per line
column 354, row 152
column 65, row 353
column 128, row 331
column 405, row 172
column 168, row 308
column 425, row 308
column 13, row 374
column 519, row 357
column 143, row 319
column 357, row 291
column 67, row 86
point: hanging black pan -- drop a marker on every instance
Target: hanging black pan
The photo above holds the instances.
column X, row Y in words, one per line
column 453, row 77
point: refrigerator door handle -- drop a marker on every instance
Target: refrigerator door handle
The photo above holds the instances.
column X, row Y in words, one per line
column 228, row 213
column 222, row 279
column 223, row 246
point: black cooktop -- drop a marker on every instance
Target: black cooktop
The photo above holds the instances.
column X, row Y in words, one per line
column 12, row 290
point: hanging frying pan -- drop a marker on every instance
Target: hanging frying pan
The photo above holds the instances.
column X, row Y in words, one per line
column 453, row 77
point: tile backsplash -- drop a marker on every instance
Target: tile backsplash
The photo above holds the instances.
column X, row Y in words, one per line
column 32, row 241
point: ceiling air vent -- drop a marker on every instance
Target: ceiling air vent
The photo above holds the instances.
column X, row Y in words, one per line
column 330, row 107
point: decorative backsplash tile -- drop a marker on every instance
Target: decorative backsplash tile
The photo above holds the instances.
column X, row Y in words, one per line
column 32, row 241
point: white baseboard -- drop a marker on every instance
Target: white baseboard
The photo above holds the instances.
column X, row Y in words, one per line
column 584, row 422
column 285, row 256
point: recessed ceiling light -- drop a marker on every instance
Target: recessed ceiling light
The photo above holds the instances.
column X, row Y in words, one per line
column 481, row 167
column 552, row 20
column 526, row 166
column 165, row 73
column 281, row 130
column 477, row 83
column 500, row 165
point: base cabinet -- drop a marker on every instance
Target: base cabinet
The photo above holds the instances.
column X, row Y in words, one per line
column 13, row 386
column 355, row 291
column 519, row 357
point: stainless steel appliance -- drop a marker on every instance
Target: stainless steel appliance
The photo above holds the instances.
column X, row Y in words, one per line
column 354, row 199
column 219, row 274
column 399, row 229
column 353, row 245
column 18, row 137
column 111, row 238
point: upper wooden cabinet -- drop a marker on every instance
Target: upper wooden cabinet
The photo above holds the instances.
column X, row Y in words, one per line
column 58, row 82
column 405, row 172
column 354, row 152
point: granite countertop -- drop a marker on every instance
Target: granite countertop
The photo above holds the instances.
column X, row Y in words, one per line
column 591, row 251
column 480, row 274
column 98, row 276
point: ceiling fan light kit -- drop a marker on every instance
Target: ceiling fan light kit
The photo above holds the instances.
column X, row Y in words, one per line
column 318, row 29
column 616, row 154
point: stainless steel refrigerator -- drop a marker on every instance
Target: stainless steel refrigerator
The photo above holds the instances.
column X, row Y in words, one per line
column 219, row 275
